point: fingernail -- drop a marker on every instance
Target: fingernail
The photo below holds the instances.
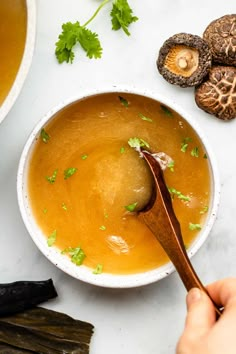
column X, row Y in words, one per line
column 194, row 295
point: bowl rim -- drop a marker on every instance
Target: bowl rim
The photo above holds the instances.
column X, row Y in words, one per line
column 82, row 272
column 25, row 61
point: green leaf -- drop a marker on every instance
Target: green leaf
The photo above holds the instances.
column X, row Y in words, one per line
column 98, row 269
column 205, row 156
column 122, row 149
column 195, row 152
column 171, row 165
column 90, row 43
column 69, row 172
column 84, row 157
column 52, row 179
column 64, row 207
column 123, row 101
column 166, row 110
column 137, row 143
column 184, row 144
column 52, row 238
column 77, row 254
column 73, row 33
column 145, row 118
column 102, row 227
column 121, row 16
column 193, row 227
column 204, row 210
column 44, row 136
column 131, row 207
column 179, row 195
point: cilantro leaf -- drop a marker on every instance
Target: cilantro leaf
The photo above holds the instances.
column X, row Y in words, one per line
column 98, row 269
column 137, row 143
column 69, row 172
column 77, row 254
column 52, row 179
column 123, row 101
column 52, row 238
column 179, row 195
column 73, row 33
column 44, row 136
column 166, row 110
column 121, row 16
column 145, row 118
column 193, row 227
column 131, row 207
column 90, row 43
column 195, row 152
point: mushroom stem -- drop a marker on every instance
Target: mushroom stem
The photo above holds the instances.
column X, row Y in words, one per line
column 182, row 63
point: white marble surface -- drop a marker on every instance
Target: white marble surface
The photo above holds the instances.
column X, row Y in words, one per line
column 145, row 320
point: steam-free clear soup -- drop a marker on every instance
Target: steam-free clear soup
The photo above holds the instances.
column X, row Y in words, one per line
column 87, row 207
column 12, row 38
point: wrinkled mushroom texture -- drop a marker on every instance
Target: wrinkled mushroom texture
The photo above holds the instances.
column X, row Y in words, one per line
column 184, row 59
column 217, row 95
column 221, row 38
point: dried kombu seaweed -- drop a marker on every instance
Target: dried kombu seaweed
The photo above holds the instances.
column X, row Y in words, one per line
column 40, row 330
column 21, row 295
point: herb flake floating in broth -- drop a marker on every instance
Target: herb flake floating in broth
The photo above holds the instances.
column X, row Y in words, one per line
column 179, row 195
column 52, row 238
column 131, row 207
column 137, row 143
column 185, row 143
column 77, row 254
column 69, row 172
column 166, row 110
column 98, row 269
column 44, row 136
column 147, row 119
column 52, row 179
column 193, row 227
column 195, row 152
column 123, row 101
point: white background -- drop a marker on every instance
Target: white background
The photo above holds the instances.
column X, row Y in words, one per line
column 145, row 320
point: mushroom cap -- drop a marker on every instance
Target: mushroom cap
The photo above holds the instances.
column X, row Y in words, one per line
column 184, row 59
column 217, row 95
column 221, row 38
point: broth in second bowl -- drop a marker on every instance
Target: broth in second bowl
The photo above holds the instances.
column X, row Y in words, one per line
column 83, row 176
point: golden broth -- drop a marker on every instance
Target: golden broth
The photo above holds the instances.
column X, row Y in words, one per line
column 87, row 209
column 12, row 38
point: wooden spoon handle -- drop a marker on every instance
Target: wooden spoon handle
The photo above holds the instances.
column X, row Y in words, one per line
column 160, row 218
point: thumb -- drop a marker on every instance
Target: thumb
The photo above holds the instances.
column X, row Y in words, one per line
column 201, row 313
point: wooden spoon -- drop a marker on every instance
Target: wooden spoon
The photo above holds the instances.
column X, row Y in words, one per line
column 160, row 218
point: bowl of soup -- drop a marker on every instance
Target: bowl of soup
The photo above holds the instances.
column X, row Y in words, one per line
column 17, row 37
column 81, row 185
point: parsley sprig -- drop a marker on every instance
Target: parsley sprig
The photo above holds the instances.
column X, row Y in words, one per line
column 75, row 33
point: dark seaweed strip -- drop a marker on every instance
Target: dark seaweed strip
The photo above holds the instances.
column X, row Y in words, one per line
column 37, row 341
column 21, row 295
column 9, row 349
column 54, row 323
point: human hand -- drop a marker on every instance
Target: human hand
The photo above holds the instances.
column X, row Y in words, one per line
column 203, row 334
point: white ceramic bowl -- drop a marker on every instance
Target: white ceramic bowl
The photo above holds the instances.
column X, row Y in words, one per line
column 25, row 62
column 82, row 272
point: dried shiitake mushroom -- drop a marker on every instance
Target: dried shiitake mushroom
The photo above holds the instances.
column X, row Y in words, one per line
column 184, row 59
column 217, row 95
column 221, row 38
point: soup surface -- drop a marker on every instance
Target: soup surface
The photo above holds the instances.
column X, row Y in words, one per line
column 85, row 180
column 12, row 37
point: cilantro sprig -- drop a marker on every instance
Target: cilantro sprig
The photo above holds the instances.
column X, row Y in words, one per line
column 75, row 33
